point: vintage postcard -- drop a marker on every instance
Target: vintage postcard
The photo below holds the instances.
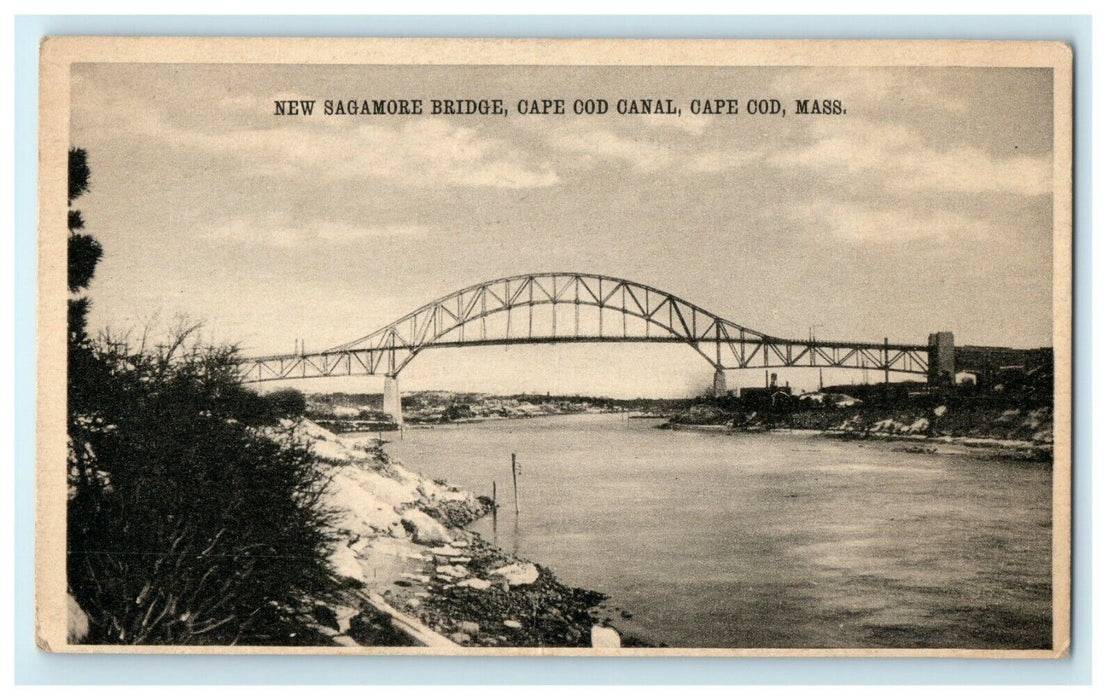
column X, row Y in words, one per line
column 650, row 348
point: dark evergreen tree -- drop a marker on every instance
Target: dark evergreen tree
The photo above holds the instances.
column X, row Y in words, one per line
column 193, row 516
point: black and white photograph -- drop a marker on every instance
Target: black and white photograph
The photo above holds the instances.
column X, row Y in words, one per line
column 641, row 348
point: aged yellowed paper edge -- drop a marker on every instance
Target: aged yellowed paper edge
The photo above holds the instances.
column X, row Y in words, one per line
column 58, row 53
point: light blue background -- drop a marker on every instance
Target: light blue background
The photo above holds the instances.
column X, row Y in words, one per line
column 32, row 666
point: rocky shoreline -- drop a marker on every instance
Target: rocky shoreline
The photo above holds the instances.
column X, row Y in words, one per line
column 981, row 448
column 415, row 575
column 1017, row 450
column 1013, row 434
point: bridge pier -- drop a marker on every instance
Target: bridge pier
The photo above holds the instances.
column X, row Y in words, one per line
column 392, row 399
column 719, row 383
column 941, row 358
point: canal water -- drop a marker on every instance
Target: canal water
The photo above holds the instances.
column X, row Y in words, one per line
column 707, row 539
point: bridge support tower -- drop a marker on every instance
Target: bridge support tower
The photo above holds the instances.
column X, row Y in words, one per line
column 719, row 383
column 392, row 399
column 941, row 358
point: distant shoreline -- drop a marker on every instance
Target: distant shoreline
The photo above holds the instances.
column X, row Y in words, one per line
column 1014, row 449
column 341, row 425
column 1025, row 450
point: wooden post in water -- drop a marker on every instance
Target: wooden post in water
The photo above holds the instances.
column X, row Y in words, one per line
column 514, row 481
column 494, row 509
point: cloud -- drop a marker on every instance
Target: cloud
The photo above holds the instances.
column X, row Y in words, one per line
column 277, row 234
column 869, row 223
column 648, row 153
column 692, row 124
column 426, row 152
column 605, row 145
column 899, row 159
column 870, row 87
column 429, row 151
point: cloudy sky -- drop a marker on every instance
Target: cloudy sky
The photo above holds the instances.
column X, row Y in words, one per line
column 926, row 207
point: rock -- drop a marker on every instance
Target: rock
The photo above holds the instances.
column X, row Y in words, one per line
column 513, row 624
column 478, row 583
column 605, row 638
column 460, row 543
column 455, row 571
column 345, row 563
column 344, row 615
column 460, row 637
column 424, row 529
column 413, row 602
column 517, row 574
column 446, row 551
column 470, row 627
column 77, row 622
column 398, row 531
column 460, row 560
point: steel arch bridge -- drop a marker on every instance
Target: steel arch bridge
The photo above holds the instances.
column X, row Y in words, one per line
column 570, row 307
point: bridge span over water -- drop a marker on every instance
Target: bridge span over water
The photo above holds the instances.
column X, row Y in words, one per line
column 570, row 307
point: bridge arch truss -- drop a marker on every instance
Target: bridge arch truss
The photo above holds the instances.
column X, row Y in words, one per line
column 568, row 307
